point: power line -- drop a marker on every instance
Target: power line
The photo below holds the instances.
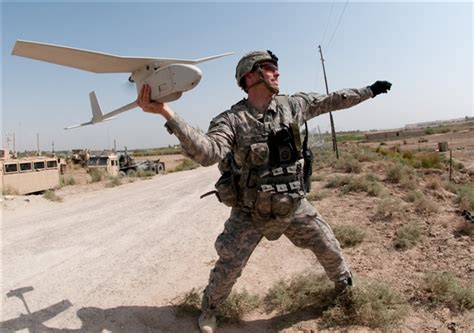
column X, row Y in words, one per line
column 327, row 22
column 337, row 26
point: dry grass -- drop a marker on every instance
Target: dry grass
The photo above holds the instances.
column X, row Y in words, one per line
column 349, row 235
column 52, row 196
column 186, row 164
column 373, row 305
column 388, row 206
column 444, row 289
column 407, row 236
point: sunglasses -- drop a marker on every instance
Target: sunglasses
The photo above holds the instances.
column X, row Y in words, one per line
column 269, row 67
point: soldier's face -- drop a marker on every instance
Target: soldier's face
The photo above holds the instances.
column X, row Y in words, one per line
column 270, row 73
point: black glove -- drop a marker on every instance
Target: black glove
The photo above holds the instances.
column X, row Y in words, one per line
column 380, row 87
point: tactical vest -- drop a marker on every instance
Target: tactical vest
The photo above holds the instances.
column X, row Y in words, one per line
column 264, row 175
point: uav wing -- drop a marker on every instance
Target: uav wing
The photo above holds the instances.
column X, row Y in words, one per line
column 93, row 61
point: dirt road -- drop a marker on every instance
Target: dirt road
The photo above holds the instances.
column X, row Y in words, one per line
column 114, row 259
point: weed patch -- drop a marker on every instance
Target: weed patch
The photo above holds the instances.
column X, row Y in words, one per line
column 445, row 289
column 186, row 164
column 407, row 236
column 388, row 206
column 237, row 305
column 349, row 235
column 52, row 196
column 300, row 292
column 317, row 195
column 348, row 165
column 114, row 181
column 373, row 305
column 96, row 175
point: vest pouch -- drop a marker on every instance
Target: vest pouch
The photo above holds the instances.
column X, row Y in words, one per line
column 226, row 190
column 259, row 154
column 283, row 205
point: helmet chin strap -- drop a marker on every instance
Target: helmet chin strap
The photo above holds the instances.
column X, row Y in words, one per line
column 261, row 80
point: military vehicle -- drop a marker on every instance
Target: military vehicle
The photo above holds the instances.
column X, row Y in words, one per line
column 129, row 166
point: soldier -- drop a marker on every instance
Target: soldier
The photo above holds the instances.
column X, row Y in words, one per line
column 258, row 147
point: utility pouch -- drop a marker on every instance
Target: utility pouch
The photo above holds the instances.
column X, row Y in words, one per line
column 226, row 191
column 259, row 154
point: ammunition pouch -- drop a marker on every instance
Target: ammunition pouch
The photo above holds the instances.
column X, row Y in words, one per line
column 272, row 212
column 226, row 190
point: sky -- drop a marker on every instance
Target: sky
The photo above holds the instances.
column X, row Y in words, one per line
column 424, row 48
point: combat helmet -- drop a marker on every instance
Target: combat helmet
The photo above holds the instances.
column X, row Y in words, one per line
column 248, row 64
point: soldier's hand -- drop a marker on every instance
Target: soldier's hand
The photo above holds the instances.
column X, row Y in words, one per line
column 144, row 101
column 380, row 87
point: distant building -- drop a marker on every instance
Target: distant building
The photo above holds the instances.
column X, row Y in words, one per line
column 394, row 134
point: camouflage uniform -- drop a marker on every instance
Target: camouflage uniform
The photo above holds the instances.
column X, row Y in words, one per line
column 264, row 207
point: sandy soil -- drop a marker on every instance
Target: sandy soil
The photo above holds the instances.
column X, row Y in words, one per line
column 115, row 259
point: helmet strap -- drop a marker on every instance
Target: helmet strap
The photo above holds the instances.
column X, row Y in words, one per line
column 261, row 80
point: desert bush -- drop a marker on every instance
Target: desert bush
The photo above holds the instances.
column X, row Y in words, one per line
column 188, row 304
column 233, row 309
column 237, row 305
column 96, row 175
column 414, row 195
column 299, row 292
column 425, row 205
column 395, row 173
column 348, row 165
column 185, row 164
column 356, row 184
column 430, row 160
column 52, row 196
column 317, row 178
column 407, row 236
column 373, row 305
column 434, row 184
column 67, row 181
column 465, row 228
column 365, row 155
column 388, row 206
column 114, row 181
column 465, row 197
column 7, row 190
column 317, row 195
column 349, row 235
column 445, row 289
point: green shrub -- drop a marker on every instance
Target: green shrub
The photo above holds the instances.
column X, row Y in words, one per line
column 348, row 165
column 407, row 236
column 300, row 292
column 415, row 195
column 96, row 175
column 186, row 164
column 317, row 195
column 445, row 289
column 395, row 173
column 237, row 305
column 114, row 181
column 465, row 197
column 52, row 196
column 388, row 206
column 372, row 305
column 356, row 184
column 425, row 205
column 430, row 160
column 349, row 235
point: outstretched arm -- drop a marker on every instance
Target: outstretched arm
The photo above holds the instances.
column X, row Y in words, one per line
column 313, row 105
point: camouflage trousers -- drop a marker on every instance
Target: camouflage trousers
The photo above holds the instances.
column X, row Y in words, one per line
column 240, row 237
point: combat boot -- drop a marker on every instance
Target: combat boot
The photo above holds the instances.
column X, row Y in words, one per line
column 343, row 286
column 207, row 323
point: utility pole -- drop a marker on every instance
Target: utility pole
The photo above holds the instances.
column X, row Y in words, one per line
column 333, row 131
column 53, row 147
column 38, row 144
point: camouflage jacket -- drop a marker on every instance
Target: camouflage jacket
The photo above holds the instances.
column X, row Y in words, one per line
column 236, row 129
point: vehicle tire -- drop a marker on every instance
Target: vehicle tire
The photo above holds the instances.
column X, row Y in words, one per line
column 161, row 168
column 131, row 173
column 122, row 174
column 153, row 169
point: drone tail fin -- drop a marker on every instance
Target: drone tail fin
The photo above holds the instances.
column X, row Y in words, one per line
column 96, row 111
